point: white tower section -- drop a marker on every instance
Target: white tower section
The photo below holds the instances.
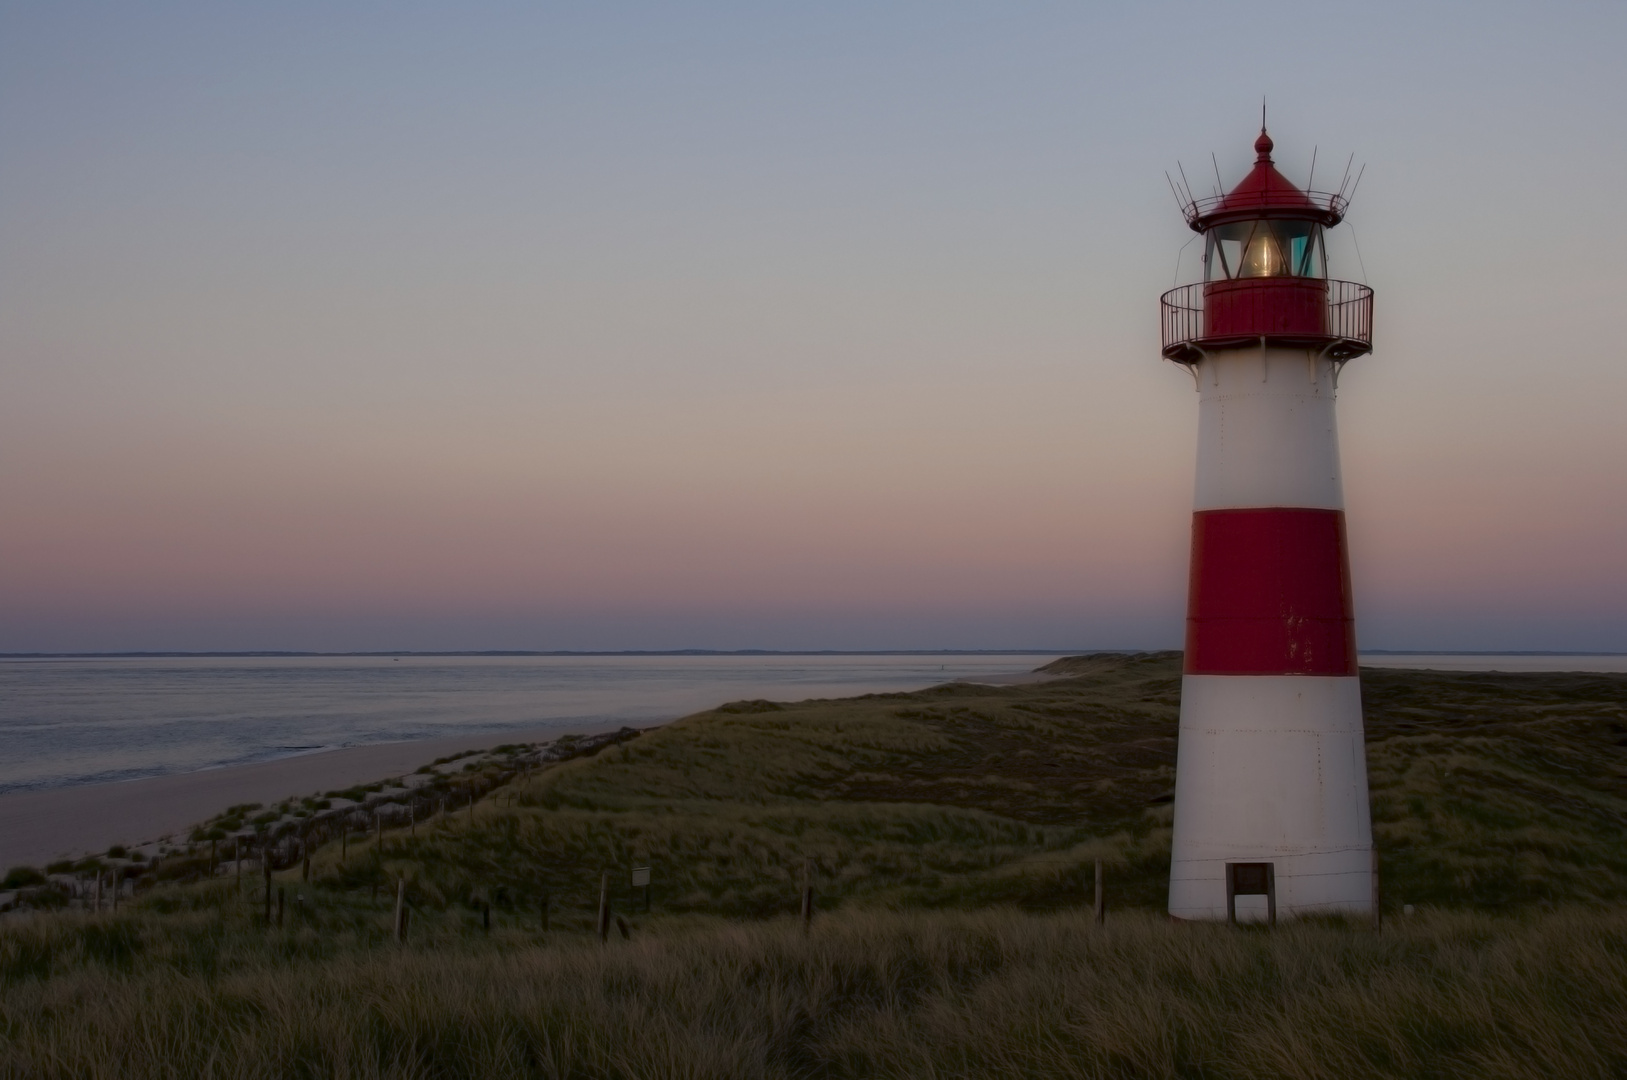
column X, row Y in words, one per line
column 1272, row 768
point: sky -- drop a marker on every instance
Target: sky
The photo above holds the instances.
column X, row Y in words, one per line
column 787, row 326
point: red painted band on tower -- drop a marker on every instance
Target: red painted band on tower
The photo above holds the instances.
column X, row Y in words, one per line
column 1250, row 307
column 1270, row 594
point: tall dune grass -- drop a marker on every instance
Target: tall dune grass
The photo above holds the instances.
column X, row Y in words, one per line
column 866, row 994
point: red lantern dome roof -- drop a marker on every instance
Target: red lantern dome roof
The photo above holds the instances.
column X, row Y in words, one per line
column 1264, row 193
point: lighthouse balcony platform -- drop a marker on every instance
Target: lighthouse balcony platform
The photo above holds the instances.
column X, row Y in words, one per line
column 1333, row 317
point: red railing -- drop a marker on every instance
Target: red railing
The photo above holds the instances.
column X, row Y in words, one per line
column 1248, row 309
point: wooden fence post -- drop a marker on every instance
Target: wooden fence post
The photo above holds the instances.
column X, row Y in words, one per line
column 400, row 930
column 1101, row 896
column 604, row 907
column 807, row 895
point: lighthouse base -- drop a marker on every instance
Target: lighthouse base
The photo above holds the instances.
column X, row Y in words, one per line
column 1271, row 769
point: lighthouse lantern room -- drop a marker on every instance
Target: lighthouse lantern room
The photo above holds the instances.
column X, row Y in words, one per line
column 1271, row 803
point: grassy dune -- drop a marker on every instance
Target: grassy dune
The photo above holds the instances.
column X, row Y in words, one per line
column 952, row 832
column 1489, row 791
column 1495, row 790
column 957, row 796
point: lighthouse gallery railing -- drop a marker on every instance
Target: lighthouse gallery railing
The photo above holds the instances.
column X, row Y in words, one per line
column 1346, row 331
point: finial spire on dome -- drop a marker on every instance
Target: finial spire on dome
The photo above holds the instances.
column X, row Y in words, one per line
column 1264, row 192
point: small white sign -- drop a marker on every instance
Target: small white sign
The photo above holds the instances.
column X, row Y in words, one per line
column 641, row 877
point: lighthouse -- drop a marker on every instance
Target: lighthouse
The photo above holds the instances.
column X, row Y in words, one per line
column 1271, row 807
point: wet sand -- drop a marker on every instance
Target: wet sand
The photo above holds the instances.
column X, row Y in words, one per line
column 37, row 827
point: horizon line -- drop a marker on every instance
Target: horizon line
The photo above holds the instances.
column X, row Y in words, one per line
column 302, row 653
column 135, row 654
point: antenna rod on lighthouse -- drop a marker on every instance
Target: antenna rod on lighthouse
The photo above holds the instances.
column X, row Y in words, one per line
column 1357, row 184
column 1175, row 193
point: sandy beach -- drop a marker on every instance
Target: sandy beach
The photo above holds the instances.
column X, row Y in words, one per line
column 37, row 827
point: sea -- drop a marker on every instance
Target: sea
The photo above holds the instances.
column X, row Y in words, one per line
column 66, row 721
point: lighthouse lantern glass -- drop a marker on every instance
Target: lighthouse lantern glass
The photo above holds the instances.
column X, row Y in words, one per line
column 1264, row 248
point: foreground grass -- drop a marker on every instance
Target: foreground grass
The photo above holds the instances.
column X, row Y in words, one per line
column 877, row 994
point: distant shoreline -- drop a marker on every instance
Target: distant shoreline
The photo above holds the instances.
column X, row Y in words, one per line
column 274, row 654
column 42, row 825
column 37, row 827
column 298, row 654
column 1486, row 652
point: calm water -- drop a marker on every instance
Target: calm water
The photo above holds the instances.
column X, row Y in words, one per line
column 82, row 721
column 1615, row 663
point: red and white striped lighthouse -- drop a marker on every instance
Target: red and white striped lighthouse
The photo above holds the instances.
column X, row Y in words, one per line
column 1271, row 810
